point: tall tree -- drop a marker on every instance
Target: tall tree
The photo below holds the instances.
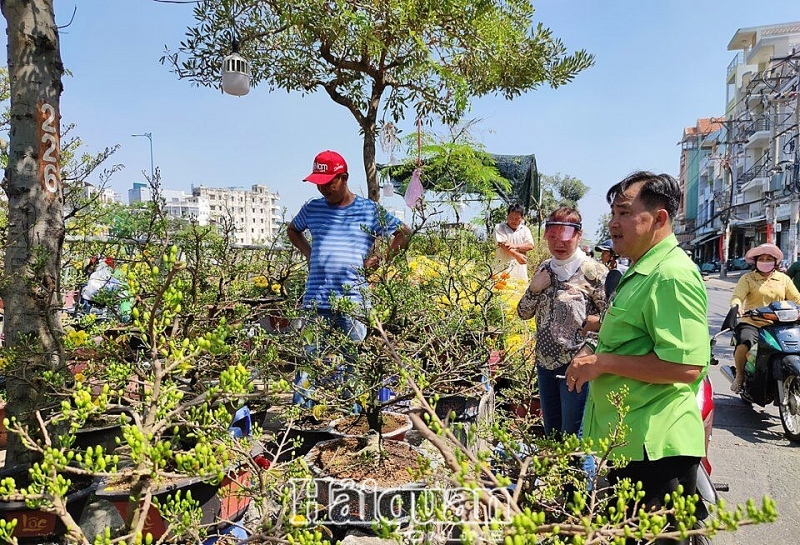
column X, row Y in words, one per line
column 603, row 233
column 561, row 190
column 30, row 285
column 377, row 58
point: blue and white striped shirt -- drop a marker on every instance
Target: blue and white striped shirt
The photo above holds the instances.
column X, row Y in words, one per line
column 341, row 238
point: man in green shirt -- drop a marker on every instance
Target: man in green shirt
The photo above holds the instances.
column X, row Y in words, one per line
column 653, row 340
column 794, row 273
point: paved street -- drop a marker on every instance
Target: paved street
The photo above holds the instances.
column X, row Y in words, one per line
column 748, row 450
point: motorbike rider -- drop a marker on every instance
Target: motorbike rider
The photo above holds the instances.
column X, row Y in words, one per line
column 755, row 289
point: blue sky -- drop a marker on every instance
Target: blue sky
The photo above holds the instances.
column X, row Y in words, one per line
column 660, row 65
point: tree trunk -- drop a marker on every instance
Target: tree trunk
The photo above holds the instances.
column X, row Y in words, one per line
column 31, row 285
column 370, row 168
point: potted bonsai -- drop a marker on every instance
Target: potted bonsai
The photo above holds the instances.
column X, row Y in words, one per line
column 433, row 326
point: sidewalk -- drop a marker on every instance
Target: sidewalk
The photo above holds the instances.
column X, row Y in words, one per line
column 713, row 279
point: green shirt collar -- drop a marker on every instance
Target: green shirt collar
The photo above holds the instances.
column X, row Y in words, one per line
column 654, row 256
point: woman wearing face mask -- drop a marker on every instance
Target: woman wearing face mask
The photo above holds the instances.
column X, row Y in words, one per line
column 755, row 289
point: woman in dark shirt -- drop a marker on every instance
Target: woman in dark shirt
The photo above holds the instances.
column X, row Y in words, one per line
column 615, row 270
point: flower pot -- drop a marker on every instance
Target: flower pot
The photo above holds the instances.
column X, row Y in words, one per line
column 531, row 407
column 458, row 408
column 364, row 502
column 306, row 439
column 102, row 432
column 475, row 409
column 226, row 501
column 347, row 427
column 37, row 524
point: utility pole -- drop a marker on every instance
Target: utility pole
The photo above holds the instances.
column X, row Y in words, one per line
column 728, row 181
column 149, row 136
column 726, row 216
column 795, row 202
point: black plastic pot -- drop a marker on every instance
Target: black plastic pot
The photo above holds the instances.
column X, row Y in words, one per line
column 298, row 442
column 219, row 502
column 398, row 434
column 350, row 503
column 103, row 435
column 34, row 524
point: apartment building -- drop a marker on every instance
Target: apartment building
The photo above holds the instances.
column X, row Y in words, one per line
column 747, row 178
column 694, row 221
column 254, row 214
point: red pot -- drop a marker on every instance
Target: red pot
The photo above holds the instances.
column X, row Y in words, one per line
column 532, row 407
column 224, row 502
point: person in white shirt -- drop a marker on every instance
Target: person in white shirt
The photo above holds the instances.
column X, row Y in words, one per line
column 514, row 240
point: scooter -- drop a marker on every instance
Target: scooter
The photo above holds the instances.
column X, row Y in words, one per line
column 706, row 489
column 772, row 372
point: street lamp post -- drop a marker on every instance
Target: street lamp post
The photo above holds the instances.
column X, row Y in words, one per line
column 149, row 136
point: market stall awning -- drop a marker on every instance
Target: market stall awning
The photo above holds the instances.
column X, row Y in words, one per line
column 748, row 222
column 705, row 237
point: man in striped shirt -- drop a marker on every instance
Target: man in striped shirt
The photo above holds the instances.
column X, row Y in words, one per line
column 343, row 229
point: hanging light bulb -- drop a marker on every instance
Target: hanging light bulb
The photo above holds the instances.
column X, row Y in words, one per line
column 235, row 73
column 388, row 189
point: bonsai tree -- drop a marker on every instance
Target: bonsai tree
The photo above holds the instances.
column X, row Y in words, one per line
column 517, row 493
column 441, row 315
column 378, row 60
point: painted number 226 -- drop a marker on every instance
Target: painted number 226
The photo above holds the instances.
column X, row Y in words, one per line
column 49, row 148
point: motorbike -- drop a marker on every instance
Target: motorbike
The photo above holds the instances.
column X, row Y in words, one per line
column 737, row 264
column 710, row 266
column 772, row 372
column 706, row 489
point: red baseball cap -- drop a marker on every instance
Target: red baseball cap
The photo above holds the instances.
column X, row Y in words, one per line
column 327, row 165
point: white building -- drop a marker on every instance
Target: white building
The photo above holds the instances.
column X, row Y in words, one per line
column 763, row 115
column 179, row 204
column 104, row 195
column 254, row 213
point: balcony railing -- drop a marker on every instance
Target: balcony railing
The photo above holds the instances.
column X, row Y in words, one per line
column 756, row 81
column 759, row 169
column 737, row 60
column 757, row 125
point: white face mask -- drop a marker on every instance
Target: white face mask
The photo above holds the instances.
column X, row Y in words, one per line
column 765, row 266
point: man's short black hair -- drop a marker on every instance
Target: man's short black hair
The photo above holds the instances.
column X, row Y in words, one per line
column 658, row 191
column 516, row 208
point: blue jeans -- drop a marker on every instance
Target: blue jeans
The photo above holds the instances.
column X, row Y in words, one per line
column 355, row 331
column 562, row 410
